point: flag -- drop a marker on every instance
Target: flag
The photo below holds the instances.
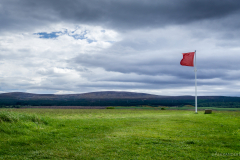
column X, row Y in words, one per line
column 187, row 59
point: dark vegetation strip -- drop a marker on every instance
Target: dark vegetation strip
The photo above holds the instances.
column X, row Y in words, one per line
column 220, row 102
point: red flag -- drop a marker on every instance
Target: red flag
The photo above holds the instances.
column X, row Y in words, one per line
column 187, row 59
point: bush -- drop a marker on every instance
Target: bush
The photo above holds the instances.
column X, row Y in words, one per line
column 110, row 108
column 163, row 108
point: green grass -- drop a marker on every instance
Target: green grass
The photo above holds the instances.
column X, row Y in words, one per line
column 177, row 108
column 118, row 134
column 203, row 108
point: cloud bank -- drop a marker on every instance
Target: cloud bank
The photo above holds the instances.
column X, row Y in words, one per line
column 81, row 46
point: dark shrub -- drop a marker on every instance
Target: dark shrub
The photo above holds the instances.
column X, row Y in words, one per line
column 110, row 108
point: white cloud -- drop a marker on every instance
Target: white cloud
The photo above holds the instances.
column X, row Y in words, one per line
column 31, row 61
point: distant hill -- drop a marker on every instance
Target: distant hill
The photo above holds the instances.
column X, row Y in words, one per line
column 112, row 98
column 117, row 95
column 91, row 95
column 96, row 95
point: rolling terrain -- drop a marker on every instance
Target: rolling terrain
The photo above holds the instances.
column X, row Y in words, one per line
column 113, row 98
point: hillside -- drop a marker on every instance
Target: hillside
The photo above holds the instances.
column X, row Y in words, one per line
column 91, row 95
column 95, row 95
column 112, row 98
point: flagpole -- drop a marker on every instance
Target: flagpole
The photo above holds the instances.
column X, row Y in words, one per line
column 195, row 70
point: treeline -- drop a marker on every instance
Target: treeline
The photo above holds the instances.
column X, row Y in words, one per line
column 220, row 104
column 226, row 103
column 95, row 102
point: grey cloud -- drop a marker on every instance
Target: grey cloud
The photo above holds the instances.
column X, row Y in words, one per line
column 120, row 15
column 146, row 63
column 137, row 13
column 123, row 64
column 224, row 63
column 211, row 73
column 142, row 83
column 48, row 72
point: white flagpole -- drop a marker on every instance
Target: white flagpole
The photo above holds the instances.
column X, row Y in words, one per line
column 195, row 70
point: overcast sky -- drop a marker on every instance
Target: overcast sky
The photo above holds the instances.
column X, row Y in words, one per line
column 79, row 46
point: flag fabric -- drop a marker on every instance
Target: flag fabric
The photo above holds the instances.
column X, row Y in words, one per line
column 187, row 59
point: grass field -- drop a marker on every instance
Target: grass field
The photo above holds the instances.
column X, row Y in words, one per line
column 118, row 134
column 177, row 108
